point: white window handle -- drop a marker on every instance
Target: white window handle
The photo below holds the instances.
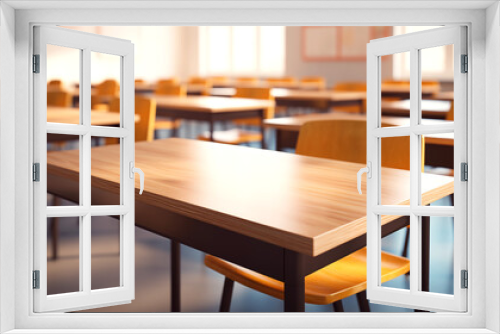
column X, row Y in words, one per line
column 368, row 171
column 134, row 170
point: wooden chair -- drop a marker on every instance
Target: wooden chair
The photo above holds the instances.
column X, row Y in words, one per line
column 54, row 85
column 313, row 82
column 169, row 88
column 170, row 81
column 105, row 92
column 332, row 139
column 204, row 82
column 247, row 80
column 350, row 87
column 139, row 81
column 284, row 81
column 240, row 136
column 145, row 108
column 219, row 80
column 59, row 99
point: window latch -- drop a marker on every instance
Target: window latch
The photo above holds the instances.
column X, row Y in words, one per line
column 368, row 171
column 134, row 170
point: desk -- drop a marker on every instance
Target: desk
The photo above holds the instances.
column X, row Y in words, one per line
column 430, row 108
column 280, row 214
column 403, row 91
column 211, row 109
column 438, row 148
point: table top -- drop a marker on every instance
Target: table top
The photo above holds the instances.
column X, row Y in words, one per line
column 305, row 204
column 444, row 96
column 296, row 122
column 210, row 104
column 72, row 116
column 430, row 108
column 320, row 95
column 395, row 88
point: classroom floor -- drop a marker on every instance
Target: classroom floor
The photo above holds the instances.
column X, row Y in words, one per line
column 202, row 287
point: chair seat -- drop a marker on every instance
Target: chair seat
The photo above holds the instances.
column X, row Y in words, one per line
column 163, row 123
column 233, row 136
column 335, row 282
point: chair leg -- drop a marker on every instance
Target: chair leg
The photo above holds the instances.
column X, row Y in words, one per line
column 338, row 306
column 227, row 293
column 364, row 305
column 407, row 241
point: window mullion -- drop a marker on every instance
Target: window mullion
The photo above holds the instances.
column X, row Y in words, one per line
column 85, row 174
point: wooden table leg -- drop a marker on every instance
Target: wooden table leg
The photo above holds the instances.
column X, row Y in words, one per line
column 294, row 273
column 425, row 252
column 175, row 255
column 279, row 140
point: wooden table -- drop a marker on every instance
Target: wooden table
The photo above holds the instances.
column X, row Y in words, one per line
column 438, row 148
column 403, row 91
column 211, row 109
column 280, row 214
column 443, row 96
column 430, row 108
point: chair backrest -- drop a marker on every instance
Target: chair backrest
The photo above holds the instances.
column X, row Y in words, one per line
column 219, row 80
column 108, row 87
column 397, row 82
column 450, row 115
column 316, row 81
column 247, row 80
column 286, row 80
column 55, row 84
column 171, row 89
column 58, row 99
column 146, row 109
column 259, row 93
column 350, row 87
column 170, row 81
column 139, row 81
column 345, row 140
column 200, row 81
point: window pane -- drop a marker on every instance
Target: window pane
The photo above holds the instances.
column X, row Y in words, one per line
column 63, row 79
column 439, row 160
column 244, row 54
column 437, row 83
column 395, row 177
column 105, row 262
column 441, row 264
column 395, row 255
column 105, row 79
column 395, row 93
column 105, row 169
column 63, row 255
column 58, row 142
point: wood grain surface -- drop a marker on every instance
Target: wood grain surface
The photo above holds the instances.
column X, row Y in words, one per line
column 305, row 204
column 210, row 104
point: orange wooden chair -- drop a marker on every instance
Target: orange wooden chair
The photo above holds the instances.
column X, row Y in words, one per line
column 248, row 80
column 55, row 84
column 341, row 140
column 239, row 136
column 145, row 108
column 171, row 81
column 350, row 87
column 313, row 83
column 205, row 83
column 169, row 88
column 105, row 92
column 58, row 99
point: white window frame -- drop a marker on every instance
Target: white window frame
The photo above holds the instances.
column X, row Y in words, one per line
column 414, row 43
column 483, row 104
column 86, row 297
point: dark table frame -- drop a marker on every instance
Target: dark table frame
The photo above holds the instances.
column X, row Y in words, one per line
column 212, row 117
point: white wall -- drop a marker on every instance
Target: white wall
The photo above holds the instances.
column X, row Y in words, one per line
column 160, row 52
column 333, row 71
